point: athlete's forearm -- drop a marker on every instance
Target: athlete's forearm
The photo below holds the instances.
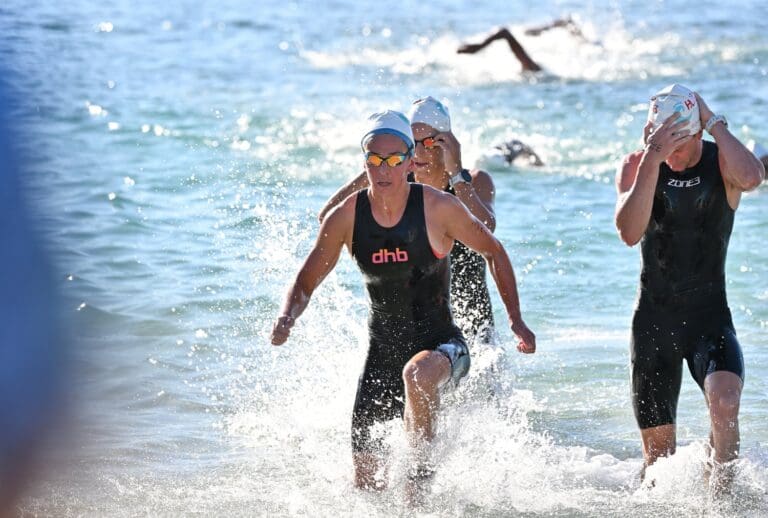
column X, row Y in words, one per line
column 504, row 276
column 742, row 168
column 296, row 300
column 354, row 185
column 467, row 194
column 633, row 210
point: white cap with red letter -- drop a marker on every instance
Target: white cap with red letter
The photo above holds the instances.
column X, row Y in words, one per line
column 675, row 98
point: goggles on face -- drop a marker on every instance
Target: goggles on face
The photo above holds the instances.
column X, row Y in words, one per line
column 427, row 142
column 392, row 160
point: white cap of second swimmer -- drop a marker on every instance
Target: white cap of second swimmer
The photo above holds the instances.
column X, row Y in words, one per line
column 431, row 112
column 675, row 98
column 390, row 122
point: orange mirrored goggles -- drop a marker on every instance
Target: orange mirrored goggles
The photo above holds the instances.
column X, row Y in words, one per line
column 392, row 160
column 427, row 142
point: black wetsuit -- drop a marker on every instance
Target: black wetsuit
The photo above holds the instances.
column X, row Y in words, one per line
column 682, row 311
column 408, row 288
column 470, row 299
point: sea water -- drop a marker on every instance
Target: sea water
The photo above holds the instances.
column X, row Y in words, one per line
column 178, row 155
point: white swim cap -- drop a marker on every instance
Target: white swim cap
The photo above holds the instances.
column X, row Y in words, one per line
column 431, row 112
column 757, row 149
column 389, row 122
column 675, row 98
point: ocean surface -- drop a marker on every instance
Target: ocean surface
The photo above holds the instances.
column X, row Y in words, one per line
column 178, row 155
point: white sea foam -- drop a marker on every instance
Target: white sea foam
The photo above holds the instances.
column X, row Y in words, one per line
column 616, row 56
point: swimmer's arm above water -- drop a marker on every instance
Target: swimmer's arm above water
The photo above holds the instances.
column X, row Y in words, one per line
column 334, row 233
column 528, row 64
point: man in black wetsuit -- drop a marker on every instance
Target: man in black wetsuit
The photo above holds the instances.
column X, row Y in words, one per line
column 400, row 233
column 679, row 195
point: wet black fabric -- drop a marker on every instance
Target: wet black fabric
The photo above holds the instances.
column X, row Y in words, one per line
column 682, row 311
column 705, row 339
column 470, row 298
column 685, row 244
column 408, row 288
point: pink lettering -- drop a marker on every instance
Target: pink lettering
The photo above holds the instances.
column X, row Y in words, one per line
column 385, row 256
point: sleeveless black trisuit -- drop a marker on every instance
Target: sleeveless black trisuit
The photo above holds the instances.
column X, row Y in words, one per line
column 408, row 289
column 470, row 299
column 682, row 311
